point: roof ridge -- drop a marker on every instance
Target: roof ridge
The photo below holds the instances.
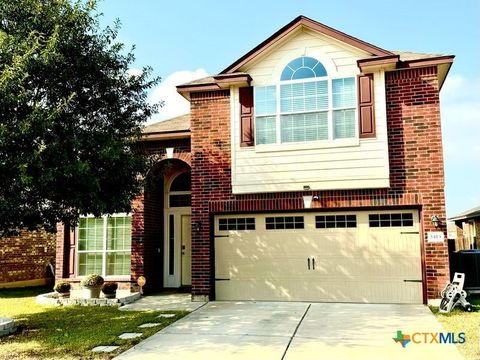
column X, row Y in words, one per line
column 305, row 21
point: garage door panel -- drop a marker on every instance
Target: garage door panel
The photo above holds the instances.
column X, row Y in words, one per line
column 360, row 264
column 329, row 291
column 369, row 267
column 275, row 269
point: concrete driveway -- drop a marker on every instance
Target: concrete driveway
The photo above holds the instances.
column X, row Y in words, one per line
column 276, row 330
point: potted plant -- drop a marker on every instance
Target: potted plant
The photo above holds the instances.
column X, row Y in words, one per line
column 91, row 286
column 62, row 288
column 109, row 289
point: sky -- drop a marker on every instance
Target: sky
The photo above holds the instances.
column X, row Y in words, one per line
column 185, row 40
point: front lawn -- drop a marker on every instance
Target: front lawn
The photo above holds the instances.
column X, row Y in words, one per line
column 68, row 332
column 462, row 321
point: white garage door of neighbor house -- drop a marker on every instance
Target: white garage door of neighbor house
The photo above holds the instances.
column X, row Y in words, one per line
column 369, row 256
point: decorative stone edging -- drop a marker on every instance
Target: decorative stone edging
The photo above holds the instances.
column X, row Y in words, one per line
column 52, row 299
column 7, row 326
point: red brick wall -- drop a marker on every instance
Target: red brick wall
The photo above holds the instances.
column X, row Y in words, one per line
column 211, row 175
column 138, row 239
column 26, row 257
column 416, row 171
column 416, row 157
column 158, row 146
column 61, row 250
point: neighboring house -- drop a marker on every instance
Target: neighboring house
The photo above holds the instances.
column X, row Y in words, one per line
column 27, row 259
column 466, row 228
column 309, row 169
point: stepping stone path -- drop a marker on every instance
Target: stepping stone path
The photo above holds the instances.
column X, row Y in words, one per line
column 7, row 326
column 105, row 349
column 126, row 336
column 149, row 325
column 166, row 316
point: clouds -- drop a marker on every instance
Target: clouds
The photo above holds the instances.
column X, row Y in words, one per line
column 166, row 91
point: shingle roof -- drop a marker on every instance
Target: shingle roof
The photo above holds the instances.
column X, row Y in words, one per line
column 179, row 123
column 404, row 56
column 205, row 80
column 475, row 212
column 409, row 55
column 211, row 79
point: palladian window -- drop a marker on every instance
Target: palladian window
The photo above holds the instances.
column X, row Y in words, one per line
column 305, row 105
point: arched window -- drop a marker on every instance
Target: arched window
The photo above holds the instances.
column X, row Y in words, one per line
column 181, row 183
column 307, row 104
column 303, row 68
column 180, row 191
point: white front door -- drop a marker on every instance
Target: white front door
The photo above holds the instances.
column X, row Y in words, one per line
column 177, row 248
column 177, row 236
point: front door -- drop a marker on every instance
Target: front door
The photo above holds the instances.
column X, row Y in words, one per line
column 186, row 258
column 177, row 244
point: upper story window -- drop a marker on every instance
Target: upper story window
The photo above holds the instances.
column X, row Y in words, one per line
column 306, row 105
column 303, row 68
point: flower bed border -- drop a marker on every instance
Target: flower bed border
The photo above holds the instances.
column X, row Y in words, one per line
column 52, row 299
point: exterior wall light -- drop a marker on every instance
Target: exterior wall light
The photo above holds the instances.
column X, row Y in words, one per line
column 197, row 226
column 436, row 221
column 169, row 152
column 307, row 201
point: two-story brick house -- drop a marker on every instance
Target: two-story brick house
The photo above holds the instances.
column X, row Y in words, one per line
column 309, row 169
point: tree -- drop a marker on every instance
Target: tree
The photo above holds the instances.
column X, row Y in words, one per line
column 70, row 110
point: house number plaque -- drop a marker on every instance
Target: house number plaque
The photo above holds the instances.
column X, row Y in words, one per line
column 435, row 236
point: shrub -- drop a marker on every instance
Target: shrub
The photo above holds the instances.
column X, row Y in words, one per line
column 92, row 280
column 109, row 287
column 62, row 287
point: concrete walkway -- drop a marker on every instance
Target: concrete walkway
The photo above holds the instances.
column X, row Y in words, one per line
column 291, row 331
column 164, row 302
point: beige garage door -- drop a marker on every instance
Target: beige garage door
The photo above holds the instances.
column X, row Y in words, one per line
column 341, row 257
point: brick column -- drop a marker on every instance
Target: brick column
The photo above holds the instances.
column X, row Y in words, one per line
column 60, row 250
column 211, row 178
column 416, row 158
column 138, row 245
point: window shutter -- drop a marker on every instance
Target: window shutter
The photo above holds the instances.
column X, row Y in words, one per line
column 71, row 251
column 246, row 116
column 366, row 109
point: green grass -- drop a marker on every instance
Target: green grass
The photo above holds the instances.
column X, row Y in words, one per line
column 469, row 323
column 69, row 332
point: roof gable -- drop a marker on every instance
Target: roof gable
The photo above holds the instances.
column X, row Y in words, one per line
column 303, row 21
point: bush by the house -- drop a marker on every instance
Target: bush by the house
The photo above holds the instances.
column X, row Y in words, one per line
column 109, row 288
column 62, row 287
column 92, row 280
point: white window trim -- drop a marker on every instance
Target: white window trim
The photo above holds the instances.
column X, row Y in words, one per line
column 327, row 143
column 103, row 251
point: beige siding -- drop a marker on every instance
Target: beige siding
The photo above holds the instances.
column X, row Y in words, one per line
column 347, row 164
column 334, row 55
